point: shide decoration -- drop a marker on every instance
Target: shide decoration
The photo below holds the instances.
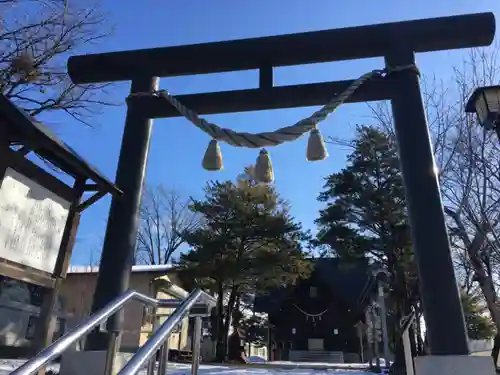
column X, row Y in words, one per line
column 313, row 317
column 263, row 171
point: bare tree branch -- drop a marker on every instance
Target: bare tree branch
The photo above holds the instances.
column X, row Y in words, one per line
column 165, row 217
column 36, row 38
column 467, row 160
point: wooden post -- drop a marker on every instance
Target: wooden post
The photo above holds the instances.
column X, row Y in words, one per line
column 46, row 322
column 4, row 144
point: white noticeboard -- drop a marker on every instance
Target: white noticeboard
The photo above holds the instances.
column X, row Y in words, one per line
column 32, row 222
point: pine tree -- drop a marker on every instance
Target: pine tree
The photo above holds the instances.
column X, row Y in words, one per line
column 247, row 243
column 478, row 321
column 366, row 217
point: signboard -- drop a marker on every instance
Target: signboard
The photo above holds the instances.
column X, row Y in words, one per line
column 32, row 222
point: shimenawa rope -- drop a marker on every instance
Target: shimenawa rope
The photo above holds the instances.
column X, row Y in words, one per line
column 263, row 171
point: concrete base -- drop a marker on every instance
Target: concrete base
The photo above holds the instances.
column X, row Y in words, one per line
column 90, row 362
column 454, row 365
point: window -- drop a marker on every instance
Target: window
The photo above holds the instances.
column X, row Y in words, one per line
column 313, row 292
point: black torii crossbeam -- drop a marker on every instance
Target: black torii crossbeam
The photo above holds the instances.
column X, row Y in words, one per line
column 397, row 43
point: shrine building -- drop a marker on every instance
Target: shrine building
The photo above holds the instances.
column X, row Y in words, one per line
column 319, row 318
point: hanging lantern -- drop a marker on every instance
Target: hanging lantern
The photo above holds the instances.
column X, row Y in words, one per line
column 485, row 102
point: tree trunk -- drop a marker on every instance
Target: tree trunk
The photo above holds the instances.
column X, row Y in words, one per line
column 488, row 290
column 484, row 279
column 399, row 366
column 225, row 323
column 230, row 308
column 220, row 348
column 403, row 309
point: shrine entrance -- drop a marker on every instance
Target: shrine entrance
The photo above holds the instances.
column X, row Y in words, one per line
column 397, row 81
column 315, row 344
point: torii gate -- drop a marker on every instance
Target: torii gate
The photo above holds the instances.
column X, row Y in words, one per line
column 396, row 42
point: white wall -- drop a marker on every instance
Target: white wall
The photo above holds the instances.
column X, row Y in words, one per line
column 480, row 345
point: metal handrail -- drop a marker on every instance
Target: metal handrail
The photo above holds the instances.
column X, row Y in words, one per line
column 63, row 343
column 154, row 343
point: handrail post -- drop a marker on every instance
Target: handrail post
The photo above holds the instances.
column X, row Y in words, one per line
column 162, row 365
column 196, row 345
column 155, row 342
column 156, row 324
column 111, row 353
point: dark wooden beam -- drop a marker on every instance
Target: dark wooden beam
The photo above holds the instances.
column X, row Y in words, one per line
column 266, row 77
column 90, row 201
column 30, row 170
column 46, row 323
column 91, row 187
column 27, row 274
column 264, row 99
column 350, row 43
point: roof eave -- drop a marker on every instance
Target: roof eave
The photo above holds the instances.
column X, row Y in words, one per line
column 52, row 148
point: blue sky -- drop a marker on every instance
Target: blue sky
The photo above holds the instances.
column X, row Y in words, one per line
column 177, row 147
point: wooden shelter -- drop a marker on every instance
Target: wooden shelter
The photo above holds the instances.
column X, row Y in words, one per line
column 39, row 211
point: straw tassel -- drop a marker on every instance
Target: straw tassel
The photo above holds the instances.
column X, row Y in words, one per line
column 263, row 171
column 212, row 160
column 316, row 149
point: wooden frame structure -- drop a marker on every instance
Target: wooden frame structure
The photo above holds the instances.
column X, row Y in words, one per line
column 20, row 137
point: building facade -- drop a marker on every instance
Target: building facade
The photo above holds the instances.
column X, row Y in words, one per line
column 318, row 319
column 156, row 281
column 20, row 306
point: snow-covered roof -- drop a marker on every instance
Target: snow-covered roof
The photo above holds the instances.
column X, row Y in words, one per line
column 137, row 268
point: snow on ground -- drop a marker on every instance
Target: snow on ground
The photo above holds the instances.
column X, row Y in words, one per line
column 7, row 365
column 347, row 366
column 256, row 359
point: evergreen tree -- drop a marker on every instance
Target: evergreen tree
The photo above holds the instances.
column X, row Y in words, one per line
column 256, row 330
column 366, row 217
column 247, row 243
column 478, row 321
